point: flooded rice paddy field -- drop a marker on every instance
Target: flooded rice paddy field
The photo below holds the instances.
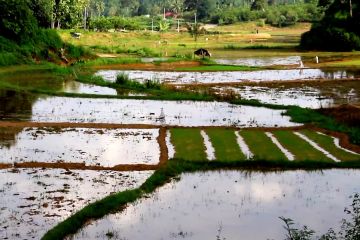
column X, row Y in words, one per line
column 322, row 95
column 232, row 205
column 32, row 201
column 292, row 60
column 203, row 205
column 260, row 61
column 305, row 74
column 47, row 80
column 84, row 88
column 93, row 147
column 171, row 113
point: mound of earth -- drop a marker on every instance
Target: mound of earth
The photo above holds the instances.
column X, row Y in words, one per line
column 348, row 114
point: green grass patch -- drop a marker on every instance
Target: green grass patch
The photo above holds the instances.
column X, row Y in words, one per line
column 188, row 144
column 346, row 63
column 310, row 116
column 98, row 62
column 261, row 146
column 327, row 143
column 225, row 144
column 301, row 149
column 214, row 68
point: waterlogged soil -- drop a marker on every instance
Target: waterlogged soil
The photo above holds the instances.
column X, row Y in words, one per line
column 260, row 61
column 32, row 201
column 49, row 81
column 93, row 147
column 307, row 60
column 232, row 205
column 321, row 96
column 171, row 113
column 303, row 74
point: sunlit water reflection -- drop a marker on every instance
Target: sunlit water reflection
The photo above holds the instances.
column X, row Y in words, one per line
column 233, row 205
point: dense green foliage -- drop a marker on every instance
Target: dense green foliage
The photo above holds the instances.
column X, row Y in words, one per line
column 339, row 30
column 23, row 40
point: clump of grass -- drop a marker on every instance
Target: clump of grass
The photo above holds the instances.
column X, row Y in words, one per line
column 122, row 78
column 153, row 84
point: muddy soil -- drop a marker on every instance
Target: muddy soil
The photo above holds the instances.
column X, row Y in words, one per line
column 348, row 114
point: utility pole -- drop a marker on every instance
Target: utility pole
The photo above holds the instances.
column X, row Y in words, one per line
column 85, row 17
column 164, row 14
column 178, row 27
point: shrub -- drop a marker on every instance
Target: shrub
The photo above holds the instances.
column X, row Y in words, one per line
column 17, row 21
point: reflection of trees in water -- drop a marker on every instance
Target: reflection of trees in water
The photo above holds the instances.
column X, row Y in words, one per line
column 8, row 136
column 331, row 74
column 15, row 105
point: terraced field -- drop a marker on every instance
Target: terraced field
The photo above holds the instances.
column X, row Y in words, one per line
column 258, row 144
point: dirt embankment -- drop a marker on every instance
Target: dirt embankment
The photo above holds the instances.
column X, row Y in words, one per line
column 347, row 114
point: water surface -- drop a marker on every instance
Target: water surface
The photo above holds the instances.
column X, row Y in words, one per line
column 232, row 205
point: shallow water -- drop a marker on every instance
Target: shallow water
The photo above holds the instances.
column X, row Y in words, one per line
column 32, row 201
column 260, row 61
column 230, row 77
column 307, row 97
column 177, row 113
column 232, row 205
column 94, row 147
column 77, row 87
column 17, row 106
column 84, row 88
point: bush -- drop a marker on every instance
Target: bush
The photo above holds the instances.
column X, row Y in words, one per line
column 17, row 21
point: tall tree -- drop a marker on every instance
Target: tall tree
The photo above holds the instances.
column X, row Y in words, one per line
column 17, row 21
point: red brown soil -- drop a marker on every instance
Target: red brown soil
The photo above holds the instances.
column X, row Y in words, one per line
column 4, row 165
column 347, row 114
column 164, row 156
column 344, row 139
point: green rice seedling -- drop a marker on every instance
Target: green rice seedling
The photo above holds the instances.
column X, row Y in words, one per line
column 188, row 143
column 301, row 149
column 225, row 144
column 261, row 146
column 327, row 143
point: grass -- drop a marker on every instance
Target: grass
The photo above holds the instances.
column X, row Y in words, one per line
column 327, row 143
column 188, row 144
column 98, row 62
column 346, row 63
column 225, row 144
column 261, row 146
column 301, row 149
column 309, row 116
column 171, row 43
